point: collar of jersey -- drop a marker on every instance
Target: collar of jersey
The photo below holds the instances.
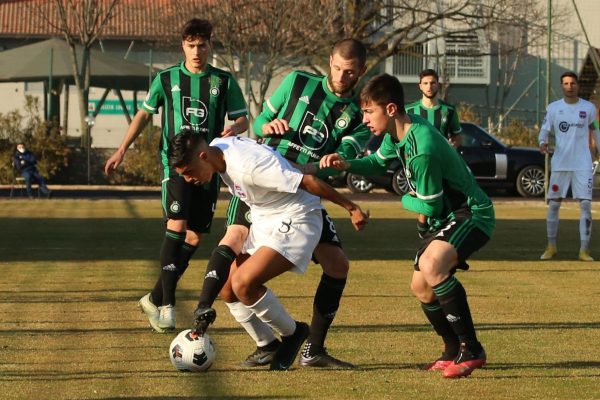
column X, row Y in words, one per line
column 187, row 72
column 438, row 105
column 332, row 95
column 414, row 121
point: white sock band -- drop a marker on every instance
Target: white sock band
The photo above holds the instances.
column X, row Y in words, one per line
column 260, row 332
column 270, row 310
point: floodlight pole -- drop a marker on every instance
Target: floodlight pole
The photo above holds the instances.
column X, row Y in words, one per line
column 49, row 111
column 548, row 84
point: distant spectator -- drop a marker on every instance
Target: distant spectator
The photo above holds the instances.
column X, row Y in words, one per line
column 24, row 161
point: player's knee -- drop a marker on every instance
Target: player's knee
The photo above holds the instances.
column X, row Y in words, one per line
column 242, row 287
column 585, row 206
column 227, row 294
column 334, row 262
column 422, row 291
column 554, row 205
column 235, row 236
column 177, row 225
column 193, row 238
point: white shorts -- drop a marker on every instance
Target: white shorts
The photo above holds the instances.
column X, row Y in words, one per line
column 294, row 237
column 579, row 181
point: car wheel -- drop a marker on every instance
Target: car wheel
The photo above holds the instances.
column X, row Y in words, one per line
column 358, row 184
column 530, row 181
column 400, row 183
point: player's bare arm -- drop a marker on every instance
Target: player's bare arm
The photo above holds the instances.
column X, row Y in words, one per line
column 333, row 160
column 238, row 127
column 319, row 188
column 138, row 123
column 310, row 168
column 275, row 127
column 543, row 140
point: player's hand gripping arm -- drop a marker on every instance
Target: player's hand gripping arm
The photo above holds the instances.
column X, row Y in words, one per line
column 135, row 128
column 239, row 126
column 319, row 188
column 275, row 127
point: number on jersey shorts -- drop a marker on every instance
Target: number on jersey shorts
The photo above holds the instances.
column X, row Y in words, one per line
column 194, row 203
column 462, row 233
column 581, row 183
column 238, row 213
column 290, row 235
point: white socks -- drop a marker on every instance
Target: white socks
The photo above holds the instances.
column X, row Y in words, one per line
column 585, row 223
column 270, row 311
column 258, row 330
column 552, row 221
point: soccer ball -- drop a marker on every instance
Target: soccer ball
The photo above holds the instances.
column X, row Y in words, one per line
column 192, row 353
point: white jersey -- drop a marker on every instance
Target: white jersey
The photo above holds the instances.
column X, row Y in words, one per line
column 263, row 179
column 570, row 124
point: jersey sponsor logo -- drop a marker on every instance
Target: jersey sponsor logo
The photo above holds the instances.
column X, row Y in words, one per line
column 175, row 207
column 564, row 126
column 582, row 114
column 237, row 190
column 248, row 217
column 304, row 99
column 311, row 137
column 175, row 89
column 193, row 108
column 306, row 151
column 214, row 91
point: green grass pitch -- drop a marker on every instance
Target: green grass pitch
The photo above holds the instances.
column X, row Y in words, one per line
column 73, row 270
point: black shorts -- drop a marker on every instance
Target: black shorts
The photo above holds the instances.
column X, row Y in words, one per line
column 461, row 233
column 194, row 203
column 238, row 213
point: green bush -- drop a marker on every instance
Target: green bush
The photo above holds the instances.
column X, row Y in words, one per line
column 517, row 134
column 141, row 164
column 40, row 137
column 467, row 113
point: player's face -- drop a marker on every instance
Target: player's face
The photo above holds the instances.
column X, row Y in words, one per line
column 375, row 117
column 198, row 172
column 570, row 87
column 429, row 86
column 196, row 53
column 343, row 74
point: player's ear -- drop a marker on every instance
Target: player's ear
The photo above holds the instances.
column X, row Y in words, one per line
column 391, row 109
column 203, row 155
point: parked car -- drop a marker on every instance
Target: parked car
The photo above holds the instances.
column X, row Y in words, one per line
column 494, row 164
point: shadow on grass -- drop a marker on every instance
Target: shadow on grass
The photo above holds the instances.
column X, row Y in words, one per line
column 25, row 239
column 391, row 328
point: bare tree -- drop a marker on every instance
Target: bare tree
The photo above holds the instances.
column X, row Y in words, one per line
column 257, row 40
column 80, row 22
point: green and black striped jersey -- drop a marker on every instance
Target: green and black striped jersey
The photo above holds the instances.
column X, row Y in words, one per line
column 196, row 101
column 443, row 116
column 441, row 181
column 320, row 122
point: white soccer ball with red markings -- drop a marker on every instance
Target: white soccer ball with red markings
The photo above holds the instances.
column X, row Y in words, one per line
column 192, row 353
